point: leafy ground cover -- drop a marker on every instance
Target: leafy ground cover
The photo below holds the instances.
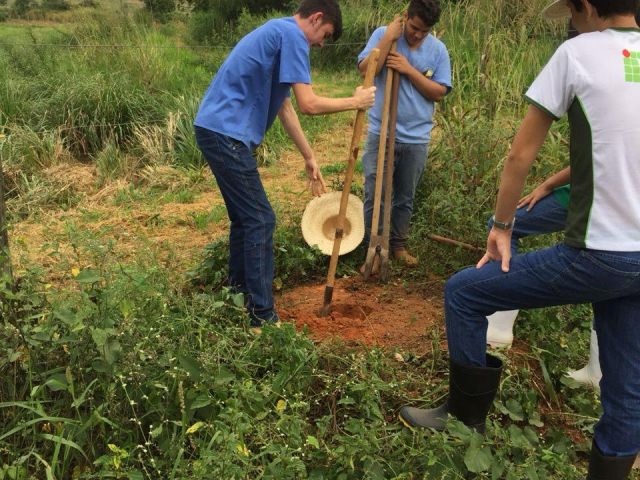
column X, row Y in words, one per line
column 123, row 356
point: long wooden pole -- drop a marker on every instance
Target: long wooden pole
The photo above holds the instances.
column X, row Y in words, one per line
column 354, row 150
column 374, row 237
column 388, row 180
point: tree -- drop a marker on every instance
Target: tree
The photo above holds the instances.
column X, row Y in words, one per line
column 20, row 7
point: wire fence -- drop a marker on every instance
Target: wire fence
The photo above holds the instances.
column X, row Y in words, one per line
column 144, row 47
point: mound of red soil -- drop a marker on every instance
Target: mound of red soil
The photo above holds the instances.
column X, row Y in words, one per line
column 386, row 315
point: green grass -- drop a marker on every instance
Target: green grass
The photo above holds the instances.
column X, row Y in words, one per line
column 131, row 369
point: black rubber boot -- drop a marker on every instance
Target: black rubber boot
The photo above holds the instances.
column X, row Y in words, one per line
column 471, row 393
column 608, row 468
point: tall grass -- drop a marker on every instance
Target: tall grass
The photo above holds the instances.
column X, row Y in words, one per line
column 122, row 371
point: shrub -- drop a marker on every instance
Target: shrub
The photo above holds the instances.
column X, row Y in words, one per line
column 58, row 5
column 21, row 7
column 160, row 9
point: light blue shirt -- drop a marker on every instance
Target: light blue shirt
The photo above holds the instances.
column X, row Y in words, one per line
column 415, row 112
column 252, row 84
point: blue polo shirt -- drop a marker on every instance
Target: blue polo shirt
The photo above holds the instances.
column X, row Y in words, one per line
column 247, row 92
column 415, row 112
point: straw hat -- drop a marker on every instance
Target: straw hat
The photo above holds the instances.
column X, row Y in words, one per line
column 557, row 9
column 319, row 223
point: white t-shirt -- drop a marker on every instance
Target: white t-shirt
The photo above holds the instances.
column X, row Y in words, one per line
column 595, row 78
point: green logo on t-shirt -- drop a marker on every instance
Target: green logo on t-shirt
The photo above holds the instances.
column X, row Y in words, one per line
column 631, row 66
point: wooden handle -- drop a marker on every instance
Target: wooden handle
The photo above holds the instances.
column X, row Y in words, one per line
column 388, row 181
column 353, row 156
column 382, row 148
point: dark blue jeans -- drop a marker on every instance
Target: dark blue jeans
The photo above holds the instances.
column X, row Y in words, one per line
column 252, row 219
column 547, row 216
column 410, row 161
column 561, row 275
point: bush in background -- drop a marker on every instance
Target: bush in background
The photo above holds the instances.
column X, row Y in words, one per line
column 55, row 5
column 160, row 9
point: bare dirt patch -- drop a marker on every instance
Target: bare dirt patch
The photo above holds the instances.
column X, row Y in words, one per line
column 389, row 316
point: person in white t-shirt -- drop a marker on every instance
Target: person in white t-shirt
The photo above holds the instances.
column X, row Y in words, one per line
column 595, row 79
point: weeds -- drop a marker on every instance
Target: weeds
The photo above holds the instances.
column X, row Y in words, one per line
column 115, row 369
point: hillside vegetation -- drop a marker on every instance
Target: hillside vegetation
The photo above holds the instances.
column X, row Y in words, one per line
column 139, row 364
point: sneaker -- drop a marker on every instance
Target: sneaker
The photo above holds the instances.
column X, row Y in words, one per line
column 403, row 256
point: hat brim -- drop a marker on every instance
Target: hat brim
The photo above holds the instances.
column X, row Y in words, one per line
column 319, row 223
column 557, row 9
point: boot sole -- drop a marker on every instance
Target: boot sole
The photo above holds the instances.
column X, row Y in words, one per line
column 405, row 423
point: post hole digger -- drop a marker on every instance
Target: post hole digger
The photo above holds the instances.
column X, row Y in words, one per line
column 379, row 244
column 354, row 149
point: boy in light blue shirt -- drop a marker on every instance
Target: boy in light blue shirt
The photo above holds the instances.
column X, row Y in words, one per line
column 425, row 78
column 252, row 87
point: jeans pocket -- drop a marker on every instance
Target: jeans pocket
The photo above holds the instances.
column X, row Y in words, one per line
column 207, row 140
column 615, row 270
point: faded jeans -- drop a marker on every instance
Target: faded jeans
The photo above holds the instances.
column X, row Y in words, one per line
column 409, row 164
column 561, row 275
column 251, row 262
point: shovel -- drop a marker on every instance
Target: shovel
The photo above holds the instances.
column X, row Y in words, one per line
column 377, row 248
column 354, row 149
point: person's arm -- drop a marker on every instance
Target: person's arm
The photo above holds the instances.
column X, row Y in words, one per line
column 291, row 124
column 429, row 89
column 559, row 179
column 525, row 148
column 391, row 34
column 311, row 104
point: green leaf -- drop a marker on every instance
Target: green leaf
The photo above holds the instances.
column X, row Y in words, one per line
column 195, row 427
column 224, row 376
column 100, row 336
column 313, row 441
column 81, row 399
column 64, row 441
column 517, row 438
column 238, row 300
column 514, row 410
column 57, row 382
column 191, row 366
column 156, row 432
column 112, row 351
column 478, row 459
column 201, row 400
column 535, row 420
column 88, row 276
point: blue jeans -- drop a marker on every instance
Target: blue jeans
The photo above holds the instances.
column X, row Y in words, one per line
column 409, row 163
column 547, row 216
column 252, row 219
column 561, row 275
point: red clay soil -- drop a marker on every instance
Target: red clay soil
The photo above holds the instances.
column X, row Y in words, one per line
column 394, row 315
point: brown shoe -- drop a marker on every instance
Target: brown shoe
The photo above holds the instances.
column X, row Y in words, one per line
column 403, row 256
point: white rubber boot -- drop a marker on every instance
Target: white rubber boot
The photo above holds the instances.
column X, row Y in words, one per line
column 500, row 331
column 590, row 374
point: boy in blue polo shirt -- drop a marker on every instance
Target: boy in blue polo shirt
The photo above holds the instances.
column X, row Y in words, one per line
column 425, row 78
column 251, row 88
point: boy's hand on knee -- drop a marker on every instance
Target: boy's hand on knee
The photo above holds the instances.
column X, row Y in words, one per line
column 498, row 249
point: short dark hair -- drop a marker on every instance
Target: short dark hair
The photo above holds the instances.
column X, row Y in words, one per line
column 329, row 9
column 608, row 8
column 427, row 10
